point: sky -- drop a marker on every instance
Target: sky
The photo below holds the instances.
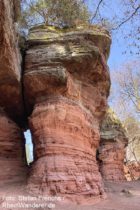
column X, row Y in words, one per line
column 119, row 45
column 29, row 145
column 115, row 9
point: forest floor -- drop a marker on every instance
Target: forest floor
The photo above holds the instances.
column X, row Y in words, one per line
column 120, row 196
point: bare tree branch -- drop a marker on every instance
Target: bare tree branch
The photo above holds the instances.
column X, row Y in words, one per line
column 127, row 19
column 97, row 9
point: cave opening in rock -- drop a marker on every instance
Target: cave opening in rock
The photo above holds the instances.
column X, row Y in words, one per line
column 28, row 147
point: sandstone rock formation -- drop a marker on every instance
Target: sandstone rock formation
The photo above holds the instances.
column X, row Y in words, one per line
column 66, row 82
column 64, row 88
column 10, row 62
column 132, row 170
column 112, row 148
column 12, row 157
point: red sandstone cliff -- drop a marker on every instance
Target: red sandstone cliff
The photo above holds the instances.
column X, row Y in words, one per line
column 10, row 61
column 12, row 157
column 112, row 148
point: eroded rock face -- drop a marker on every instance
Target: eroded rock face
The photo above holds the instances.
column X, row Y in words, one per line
column 112, row 148
column 71, row 64
column 12, row 156
column 10, row 61
column 65, row 150
column 67, row 82
column 132, row 170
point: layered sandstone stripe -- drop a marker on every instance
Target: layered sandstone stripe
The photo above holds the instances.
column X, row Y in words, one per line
column 65, row 150
column 12, row 157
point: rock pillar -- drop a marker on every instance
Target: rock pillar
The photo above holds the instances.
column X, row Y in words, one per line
column 112, row 148
column 66, row 84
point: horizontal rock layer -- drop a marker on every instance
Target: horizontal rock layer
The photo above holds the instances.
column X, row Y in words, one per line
column 12, row 157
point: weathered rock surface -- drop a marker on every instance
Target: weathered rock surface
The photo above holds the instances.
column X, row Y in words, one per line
column 132, row 170
column 133, row 148
column 71, row 63
column 12, row 156
column 65, row 150
column 66, row 80
column 112, row 148
column 10, row 61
